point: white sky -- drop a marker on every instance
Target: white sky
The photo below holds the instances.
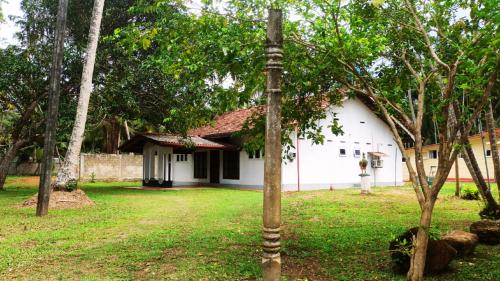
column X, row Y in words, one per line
column 13, row 8
column 8, row 29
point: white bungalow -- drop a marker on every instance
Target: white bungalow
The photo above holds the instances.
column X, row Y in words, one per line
column 214, row 155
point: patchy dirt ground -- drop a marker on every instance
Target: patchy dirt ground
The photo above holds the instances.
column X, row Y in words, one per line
column 62, row 200
column 25, row 181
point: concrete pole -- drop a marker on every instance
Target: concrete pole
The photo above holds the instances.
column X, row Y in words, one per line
column 42, row 207
column 271, row 259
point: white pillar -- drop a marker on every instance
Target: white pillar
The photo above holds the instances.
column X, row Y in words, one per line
column 152, row 167
column 161, row 169
column 145, row 163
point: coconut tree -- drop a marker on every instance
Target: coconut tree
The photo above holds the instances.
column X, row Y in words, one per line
column 68, row 168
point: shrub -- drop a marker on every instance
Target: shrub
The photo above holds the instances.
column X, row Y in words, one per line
column 488, row 212
column 470, row 194
column 71, row 185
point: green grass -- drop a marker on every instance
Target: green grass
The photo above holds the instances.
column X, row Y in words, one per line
column 215, row 234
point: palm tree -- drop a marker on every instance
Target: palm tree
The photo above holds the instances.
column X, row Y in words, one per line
column 68, row 168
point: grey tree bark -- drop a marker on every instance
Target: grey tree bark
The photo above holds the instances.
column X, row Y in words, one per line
column 70, row 164
column 42, row 207
column 490, row 126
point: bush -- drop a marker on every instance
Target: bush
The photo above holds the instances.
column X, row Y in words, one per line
column 71, row 185
column 488, row 212
column 470, row 194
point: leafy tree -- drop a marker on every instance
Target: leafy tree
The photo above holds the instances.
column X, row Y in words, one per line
column 22, row 91
column 380, row 56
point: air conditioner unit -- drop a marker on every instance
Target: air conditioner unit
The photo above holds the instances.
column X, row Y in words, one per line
column 377, row 163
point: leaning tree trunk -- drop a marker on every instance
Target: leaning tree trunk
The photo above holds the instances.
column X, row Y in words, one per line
column 490, row 126
column 477, row 176
column 7, row 160
column 69, row 166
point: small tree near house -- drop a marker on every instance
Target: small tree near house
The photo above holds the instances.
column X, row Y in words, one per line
column 434, row 52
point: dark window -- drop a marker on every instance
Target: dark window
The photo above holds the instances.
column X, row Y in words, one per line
column 200, row 165
column 403, row 159
column 343, row 152
column 362, row 122
column 389, row 145
column 357, row 153
column 488, row 153
column 231, row 165
column 257, row 154
column 178, row 158
column 433, row 154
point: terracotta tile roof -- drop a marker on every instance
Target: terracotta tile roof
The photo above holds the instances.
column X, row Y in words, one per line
column 227, row 123
column 137, row 142
column 232, row 122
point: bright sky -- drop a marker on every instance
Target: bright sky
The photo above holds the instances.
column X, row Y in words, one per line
column 12, row 8
column 8, row 29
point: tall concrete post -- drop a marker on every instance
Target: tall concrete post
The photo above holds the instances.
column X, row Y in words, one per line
column 271, row 259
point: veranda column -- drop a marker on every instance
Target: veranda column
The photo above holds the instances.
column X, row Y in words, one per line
column 145, row 164
column 271, row 259
column 152, row 166
column 161, row 169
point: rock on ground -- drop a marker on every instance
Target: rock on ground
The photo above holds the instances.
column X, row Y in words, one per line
column 462, row 241
column 439, row 253
column 487, row 230
column 62, row 200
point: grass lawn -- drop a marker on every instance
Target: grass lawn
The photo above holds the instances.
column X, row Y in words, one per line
column 214, row 234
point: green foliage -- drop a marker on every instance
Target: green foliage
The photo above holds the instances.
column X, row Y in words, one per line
column 470, row 193
column 92, row 177
column 71, row 185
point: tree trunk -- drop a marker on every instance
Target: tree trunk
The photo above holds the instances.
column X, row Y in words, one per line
column 70, row 164
column 419, row 251
column 457, row 179
column 42, row 207
column 127, row 132
column 490, row 126
column 7, row 160
column 477, row 176
column 112, row 132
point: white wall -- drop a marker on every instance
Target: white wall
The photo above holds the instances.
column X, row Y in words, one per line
column 182, row 172
column 251, row 172
column 321, row 166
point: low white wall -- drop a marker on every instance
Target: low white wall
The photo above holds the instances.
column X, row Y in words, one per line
column 110, row 166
